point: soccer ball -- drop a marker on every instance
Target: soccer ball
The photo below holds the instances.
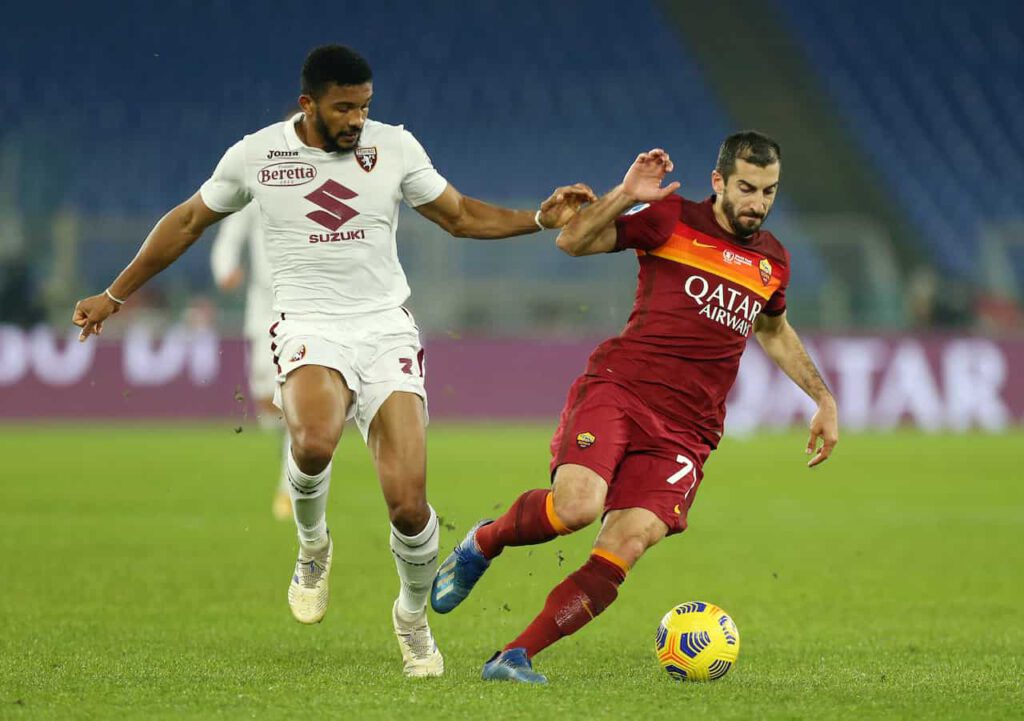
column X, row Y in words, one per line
column 697, row 641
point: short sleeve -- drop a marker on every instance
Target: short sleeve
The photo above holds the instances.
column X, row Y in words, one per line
column 421, row 183
column 225, row 191
column 776, row 305
column 646, row 226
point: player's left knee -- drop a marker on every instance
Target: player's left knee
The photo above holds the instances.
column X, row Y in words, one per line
column 630, row 544
column 578, row 515
column 578, row 501
column 629, row 548
column 409, row 513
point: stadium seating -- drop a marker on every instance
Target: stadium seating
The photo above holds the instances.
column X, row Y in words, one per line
column 543, row 97
column 568, row 91
column 933, row 95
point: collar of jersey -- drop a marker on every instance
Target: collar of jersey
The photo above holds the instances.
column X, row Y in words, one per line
column 292, row 139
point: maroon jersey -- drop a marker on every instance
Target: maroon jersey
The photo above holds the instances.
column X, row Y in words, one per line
column 699, row 290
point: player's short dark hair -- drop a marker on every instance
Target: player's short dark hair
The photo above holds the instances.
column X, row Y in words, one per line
column 336, row 64
column 749, row 145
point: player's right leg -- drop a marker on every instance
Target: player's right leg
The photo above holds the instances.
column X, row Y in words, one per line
column 625, row 536
column 396, row 438
column 315, row 400
column 575, row 501
column 591, row 439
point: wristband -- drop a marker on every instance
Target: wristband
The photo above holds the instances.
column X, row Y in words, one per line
column 536, row 219
column 109, row 295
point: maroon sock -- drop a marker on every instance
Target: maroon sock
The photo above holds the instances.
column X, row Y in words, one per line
column 528, row 521
column 573, row 603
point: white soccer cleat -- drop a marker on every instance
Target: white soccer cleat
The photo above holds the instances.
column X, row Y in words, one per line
column 308, row 591
column 419, row 652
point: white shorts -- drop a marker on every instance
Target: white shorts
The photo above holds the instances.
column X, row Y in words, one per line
column 262, row 371
column 377, row 354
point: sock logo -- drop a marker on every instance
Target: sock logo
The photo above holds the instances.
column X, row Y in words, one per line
column 585, row 440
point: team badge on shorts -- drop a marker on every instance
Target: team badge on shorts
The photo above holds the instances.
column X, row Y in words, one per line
column 585, row 440
column 766, row 270
column 367, row 158
column 298, row 355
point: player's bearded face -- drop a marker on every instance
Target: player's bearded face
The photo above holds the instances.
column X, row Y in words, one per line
column 744, row 223
column 339, row 115
column 336, row 140
column 748, row 197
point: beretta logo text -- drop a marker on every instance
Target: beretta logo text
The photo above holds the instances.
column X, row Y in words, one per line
column 288, row 173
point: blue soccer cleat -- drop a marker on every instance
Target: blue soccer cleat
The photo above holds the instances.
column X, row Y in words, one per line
column 459, row 573
column 512, row 665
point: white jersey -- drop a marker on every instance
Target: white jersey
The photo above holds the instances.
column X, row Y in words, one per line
column 235, row 233
column 329, row 218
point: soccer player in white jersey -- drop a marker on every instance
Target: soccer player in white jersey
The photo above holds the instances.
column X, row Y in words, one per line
column 238, row 235
column 328, row 184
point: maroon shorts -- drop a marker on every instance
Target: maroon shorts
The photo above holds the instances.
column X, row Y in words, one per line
column 646, row 461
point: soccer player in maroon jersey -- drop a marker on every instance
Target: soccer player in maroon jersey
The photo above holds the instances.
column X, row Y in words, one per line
column 639, row 424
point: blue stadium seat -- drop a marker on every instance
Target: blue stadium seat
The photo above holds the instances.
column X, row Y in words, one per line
column 934, row 97
column 507, row 109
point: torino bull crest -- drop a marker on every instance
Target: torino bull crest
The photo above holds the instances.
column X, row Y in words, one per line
column 367, row 158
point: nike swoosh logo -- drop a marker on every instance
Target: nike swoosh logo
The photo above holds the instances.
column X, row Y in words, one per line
column 702, row 245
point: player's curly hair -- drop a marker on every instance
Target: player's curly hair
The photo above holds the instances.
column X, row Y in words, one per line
column 749, row 145
column 336, row 64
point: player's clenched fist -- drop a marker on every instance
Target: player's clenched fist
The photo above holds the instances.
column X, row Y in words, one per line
column 564, row 203
column 91, row 312
column 643, row 179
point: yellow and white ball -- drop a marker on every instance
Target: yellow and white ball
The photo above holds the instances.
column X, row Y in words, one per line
column 697, row 641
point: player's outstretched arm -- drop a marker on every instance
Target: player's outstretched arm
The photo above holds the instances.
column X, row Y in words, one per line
column 170, row 237
column 466, row 217
column 783, row 346
column 592, row 230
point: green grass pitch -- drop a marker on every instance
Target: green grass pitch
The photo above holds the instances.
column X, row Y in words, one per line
column 143, row 577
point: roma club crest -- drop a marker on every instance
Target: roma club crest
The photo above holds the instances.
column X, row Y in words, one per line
column 367, row 158
column 585, row 440
column 766, row 270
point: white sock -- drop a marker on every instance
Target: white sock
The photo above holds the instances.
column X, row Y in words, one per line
column 309, row 501
column 416, row 560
